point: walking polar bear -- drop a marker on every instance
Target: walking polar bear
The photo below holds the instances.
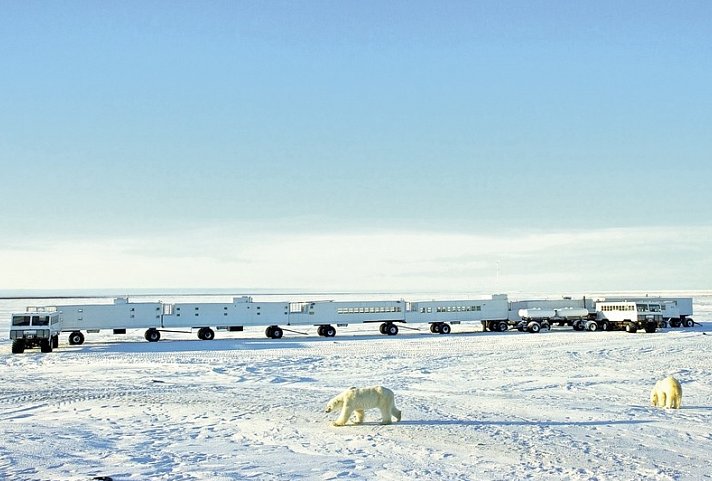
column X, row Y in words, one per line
column 358, row 400
column 667, row 393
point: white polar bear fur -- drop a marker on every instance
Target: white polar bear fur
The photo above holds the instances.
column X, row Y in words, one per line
column 667, row 393
column 358, row 400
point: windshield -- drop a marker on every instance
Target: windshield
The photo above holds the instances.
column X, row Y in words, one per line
column 20, row 320
column 30, row 320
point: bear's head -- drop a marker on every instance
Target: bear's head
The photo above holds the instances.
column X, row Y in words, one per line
column 334, row 403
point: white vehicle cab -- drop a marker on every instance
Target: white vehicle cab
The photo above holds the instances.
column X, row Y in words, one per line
column 36, row 327
column 629, row 315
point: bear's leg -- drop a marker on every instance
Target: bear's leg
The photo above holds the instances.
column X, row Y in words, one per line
column 360, row 416
column 396, row 413
column 654, row 397
column 345, row 414
column 385, row 414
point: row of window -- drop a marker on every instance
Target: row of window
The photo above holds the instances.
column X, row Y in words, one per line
column 455, row 309
column 367, row 310
column 620, row 307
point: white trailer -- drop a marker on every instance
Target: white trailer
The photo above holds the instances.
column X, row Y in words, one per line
column 629, row 316
column 535, row 319
column 119, row 316
column 441, row 314
column 676, row 311
column 342, row 313
column 234, row 316
column 37, row 326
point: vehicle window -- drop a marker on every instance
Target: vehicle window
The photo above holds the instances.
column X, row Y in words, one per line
column 21, row 320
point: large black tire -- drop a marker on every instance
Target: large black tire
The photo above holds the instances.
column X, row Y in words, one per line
column 55, row 342
column 76, row 338
column 592, row 326
column 153, row 335
column 382, row 328
column 651, row 327
column 391, row 329
column 534, row 327
column 631, row 328
column 445, row 328
column 688, row 323
column 208, row 334
column 320, row 330
column 268, row 331
column 46, row 345
column 501, row 326
column 18, row 346
column 675, row 322
column 277, row 332
column 329, row 331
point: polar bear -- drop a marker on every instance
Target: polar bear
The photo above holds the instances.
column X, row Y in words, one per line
column 359, row 400
column 667, row 393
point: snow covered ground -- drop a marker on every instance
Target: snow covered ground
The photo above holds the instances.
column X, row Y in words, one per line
column 486, row 406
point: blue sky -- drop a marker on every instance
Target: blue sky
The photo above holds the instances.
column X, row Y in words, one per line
column 356, row 145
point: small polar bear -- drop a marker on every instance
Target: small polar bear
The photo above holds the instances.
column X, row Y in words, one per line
column 667, row 393
column 359, row 400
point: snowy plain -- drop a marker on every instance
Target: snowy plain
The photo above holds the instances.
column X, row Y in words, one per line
column 559, row 405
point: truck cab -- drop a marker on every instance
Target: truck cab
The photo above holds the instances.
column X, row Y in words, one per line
column 36, row 327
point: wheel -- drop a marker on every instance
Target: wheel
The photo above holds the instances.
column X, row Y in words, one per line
column 502, row 326
column 592, row 326
column 545, row 326
column 534, row 327
column 200, row 334
column 675, row 322
column 208, row 334
column 277, row 332
column 76, row 338
column 651, row 327
column 383, row 328
column 444, row 328
column 55, row 342
column 605, row 326
column 632, row 328
column 663, row 324
column 320, row 330
column 392, row 329
column 688, row 323
column 268, row 331
column 18, row 346
column 329, row 331
column 152, row 335
column 491, row 326
column 46, row 345
column 434, row 327
column 579, row 326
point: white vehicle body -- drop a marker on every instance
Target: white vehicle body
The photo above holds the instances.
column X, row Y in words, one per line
column 676, row 311
column 495, row 314
column 629, row 315
column 119, row 316
column 563, row 313
column 37, row 326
